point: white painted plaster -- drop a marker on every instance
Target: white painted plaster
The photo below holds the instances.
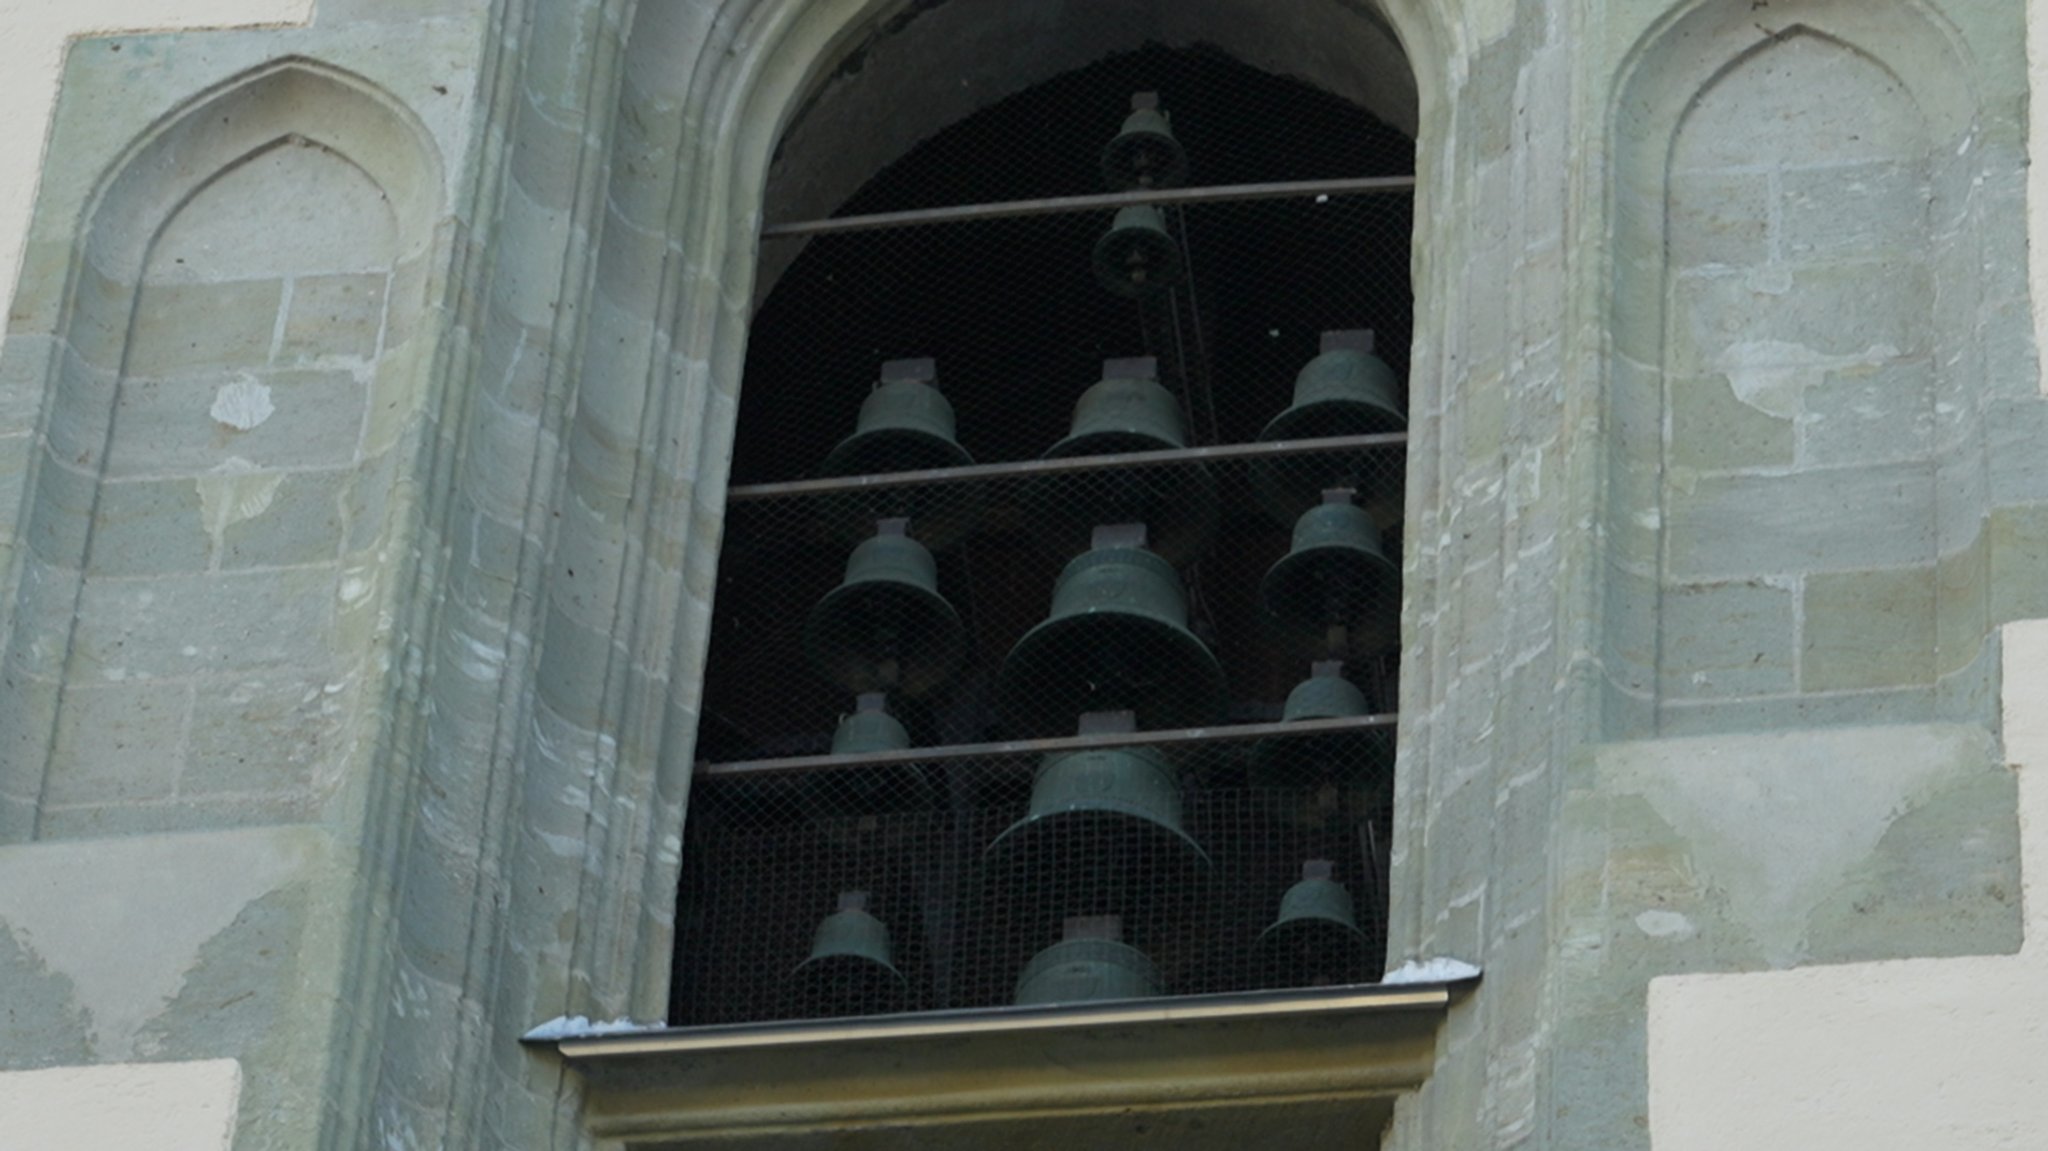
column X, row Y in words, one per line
column 1772, row 375
column 162, row 1106
column 234, row 492
column 1915, row 1054
column 123, row 920
column 33, row 35
column 242, row 404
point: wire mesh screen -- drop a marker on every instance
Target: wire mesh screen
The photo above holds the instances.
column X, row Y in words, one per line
column 969, row 881
column 1237, row 125
column 1057, row 623
column 1014, row 313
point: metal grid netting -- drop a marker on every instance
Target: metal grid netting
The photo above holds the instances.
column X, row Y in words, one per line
column 1236, row 124
column 969, row 888
column 1018, row 323
column 905, row 575
column 814, row 608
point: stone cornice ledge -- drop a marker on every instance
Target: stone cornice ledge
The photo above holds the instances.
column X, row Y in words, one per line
column 1014, row 1076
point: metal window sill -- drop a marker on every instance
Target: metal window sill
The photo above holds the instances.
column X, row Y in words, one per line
column 1274, row 1069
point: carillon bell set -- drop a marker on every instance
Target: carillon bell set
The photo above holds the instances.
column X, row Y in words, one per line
column 1115, row 656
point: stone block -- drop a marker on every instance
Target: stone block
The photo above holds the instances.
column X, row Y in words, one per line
column 1714, row 430
column 27, row 363
column 84, row 400
column 1785, row 831
column 1718, row 217
column 396, row 385
column 1810, row 313
column 60, row 513
column 2015, row 430
column 366, row 499
column 1837, row 519
column 1879, row 207
column 234, row 623
column 294, row 419
column 261, row 735
column 300, row 524
column 334, row 316
column 1726, row 639
column 297, row 207
column 203, row 328
column 146, row 527
column 1868, row 629
column 1869, row 413
column 2018, row 563
column 1962, row 604
column 1692, row 717
column 406, row 299
column 118, row 743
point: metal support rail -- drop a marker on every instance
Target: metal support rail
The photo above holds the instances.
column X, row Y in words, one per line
column 1023, row 747
column 1056, row 205
column 1015, row 469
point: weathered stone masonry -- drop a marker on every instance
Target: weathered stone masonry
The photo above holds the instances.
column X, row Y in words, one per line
column 368, row 391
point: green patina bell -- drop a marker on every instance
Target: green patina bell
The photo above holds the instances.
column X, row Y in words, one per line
column 1144, row 154
column 869, row 729
column 886, row 628
column 1137, row 257
column 1116, row 640
column 1315, row 940
column 1100, row 814
column 1336, row 584
column 850, row 969
column 1127, row 412
column 1089, row 965
column 860, row 791
column 905, row 425
column 1344, row 758
column 1345, row 391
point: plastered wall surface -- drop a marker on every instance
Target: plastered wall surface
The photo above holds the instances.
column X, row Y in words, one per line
column 186, row 1106
column 1871, row 1057
column 33, row 35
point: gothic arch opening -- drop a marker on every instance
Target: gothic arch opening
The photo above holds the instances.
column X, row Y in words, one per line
column 1792, row 523
column 1013, row 311
column 228, row 306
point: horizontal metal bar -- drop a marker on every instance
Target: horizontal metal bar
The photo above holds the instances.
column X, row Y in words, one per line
column 1181, row 1010
column 1057, row 205
column 1023, row 747
column 1015, row 469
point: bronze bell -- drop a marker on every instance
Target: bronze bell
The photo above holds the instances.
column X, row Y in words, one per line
column 1087, row 798
column 859, row 791
column 1336, row 587
column 905, row 425
column 1343, row 759
column 850, row 970
column 1127, row 412
column 1144, row 153
column 886, row 627
column 1089, row 964
column 1138, row 258
column 1345, row 391
column 1315, row 941
column 1117, row 640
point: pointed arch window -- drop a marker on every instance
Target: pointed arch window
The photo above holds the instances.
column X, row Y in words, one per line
column 1054, row 650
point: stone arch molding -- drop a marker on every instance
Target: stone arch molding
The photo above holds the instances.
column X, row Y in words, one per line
column 579, row 817
column 1717, row 598
column 231, row 129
